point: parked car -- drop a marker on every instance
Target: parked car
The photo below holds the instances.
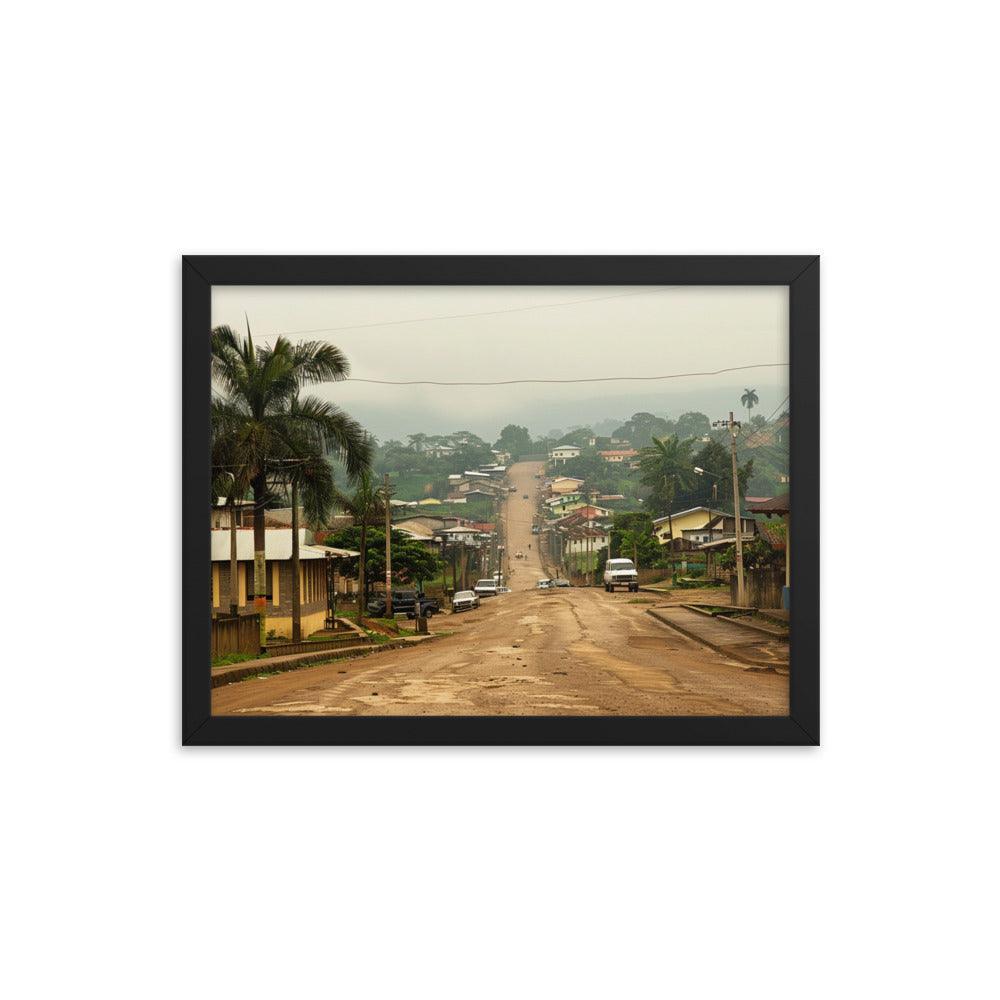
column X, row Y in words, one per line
column 543, row 585
column 535, row 529
column 512, row 489
column 620, row 573
column 486, row 588
column 404, row 602
column 465, row 600
column 561, row 583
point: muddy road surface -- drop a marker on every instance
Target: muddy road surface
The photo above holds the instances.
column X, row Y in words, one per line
column 576, row 651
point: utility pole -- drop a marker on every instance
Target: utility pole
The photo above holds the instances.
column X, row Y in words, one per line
column 387, row 495
column 734, row 426
column 234, row 596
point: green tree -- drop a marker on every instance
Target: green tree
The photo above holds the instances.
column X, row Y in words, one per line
column 757, row 554
column 716, row 460
column 631, row 537
column 254, row 389
column 692, row 424
column 516, row 440
column 667, row 468
column 749, row 399
column 411, row 561
column 641, row 428
column 366, row 505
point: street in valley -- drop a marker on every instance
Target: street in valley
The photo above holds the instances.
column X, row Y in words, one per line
column 566, row 651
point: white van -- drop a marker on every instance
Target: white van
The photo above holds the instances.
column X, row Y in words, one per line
column 486, row 588
column 621, row 573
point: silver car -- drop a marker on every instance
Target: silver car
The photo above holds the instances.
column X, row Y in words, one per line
column 464, row 600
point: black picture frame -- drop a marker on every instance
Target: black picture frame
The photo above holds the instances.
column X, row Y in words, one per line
column 799, row 273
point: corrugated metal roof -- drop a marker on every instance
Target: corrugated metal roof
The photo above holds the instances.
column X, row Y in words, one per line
column 778, row 505
column 277, row 545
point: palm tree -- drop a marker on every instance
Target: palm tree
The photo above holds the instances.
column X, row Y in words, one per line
column 261, row 420
column 366, row 506
column 749, row 400
column 667, row 465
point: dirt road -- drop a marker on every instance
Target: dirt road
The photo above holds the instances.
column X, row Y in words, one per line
column 518, row 514
column 551, row 652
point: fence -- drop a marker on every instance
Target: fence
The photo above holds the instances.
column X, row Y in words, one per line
column 763, row 587
column 235, row 635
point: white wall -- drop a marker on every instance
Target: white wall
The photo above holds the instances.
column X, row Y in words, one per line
column 865, row 868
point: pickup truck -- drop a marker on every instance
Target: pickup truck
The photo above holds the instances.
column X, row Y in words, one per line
column 620, row 573
column 404, row 602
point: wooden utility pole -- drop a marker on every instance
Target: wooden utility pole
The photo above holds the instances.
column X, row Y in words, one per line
column 387, row 495
column 733, row 426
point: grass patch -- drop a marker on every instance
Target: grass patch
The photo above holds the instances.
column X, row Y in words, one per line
column 230, row 658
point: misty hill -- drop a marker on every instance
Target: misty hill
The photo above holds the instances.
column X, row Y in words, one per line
column 486, row 415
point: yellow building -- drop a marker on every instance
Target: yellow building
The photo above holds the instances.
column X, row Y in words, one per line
column 278, row 577
column 700, row 524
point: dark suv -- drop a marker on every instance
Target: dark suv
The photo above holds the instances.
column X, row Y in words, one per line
column 404, row 601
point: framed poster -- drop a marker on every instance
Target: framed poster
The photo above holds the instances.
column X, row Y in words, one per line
column 500, row 500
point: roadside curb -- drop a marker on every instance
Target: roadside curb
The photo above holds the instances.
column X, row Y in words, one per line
column 250, row 668
column 728, row 651
column 771, row 633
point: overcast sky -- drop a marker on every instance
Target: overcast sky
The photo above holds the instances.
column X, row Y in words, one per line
column 565, row 332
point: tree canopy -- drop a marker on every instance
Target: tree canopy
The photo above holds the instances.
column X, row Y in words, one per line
column 668, row 470
column 514, row 439
column 411, row 561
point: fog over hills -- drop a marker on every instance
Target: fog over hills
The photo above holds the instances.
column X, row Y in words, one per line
column 513, row 334
column 409, row 410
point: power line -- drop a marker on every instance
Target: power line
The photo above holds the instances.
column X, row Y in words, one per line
column 568, row 381
column 763, row 430
column 472, row 315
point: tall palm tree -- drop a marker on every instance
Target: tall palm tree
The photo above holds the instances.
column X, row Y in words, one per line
column 366, row 506
column 254, row 391
column 749, row 400
column 666, row 466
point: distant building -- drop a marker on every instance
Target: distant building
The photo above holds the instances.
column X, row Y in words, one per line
column 562, row 453
column 622, row 455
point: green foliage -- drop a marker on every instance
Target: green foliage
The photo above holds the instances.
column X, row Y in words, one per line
column 641, row 428
column 667, row 469
column 420, row 472
column 514, row 439
column 599, row 476
column 692, row 424
column 252, row 407
column 411, row 562
column 580, row 436
column 757, row 554
column 716, row 460
column 631, row 537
